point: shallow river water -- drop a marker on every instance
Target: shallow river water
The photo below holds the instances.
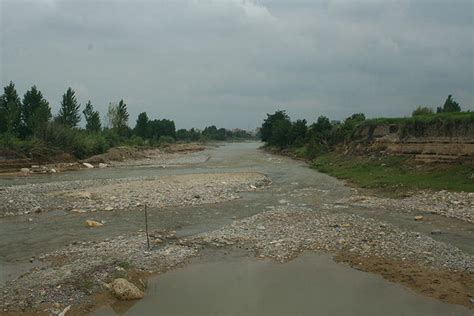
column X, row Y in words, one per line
column 242, row 286
column 312, row 284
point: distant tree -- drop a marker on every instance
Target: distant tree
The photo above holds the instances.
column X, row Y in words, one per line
column 35, row 113
column 266, row 131
column 117, row 117
column 298, row 133
column 142, row 127
column 214, row 133
column 10, row 110
column 422, row 110
column 280, row 133
column 320, row 134
column 182, row 134
column 164, row 127
column 92, row 118
column 194, row 135
column 449, row 106
column 69, row 111
column 356, row 117
column 322, row 125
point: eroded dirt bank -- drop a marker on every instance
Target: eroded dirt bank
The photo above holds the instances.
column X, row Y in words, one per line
column 299, row 210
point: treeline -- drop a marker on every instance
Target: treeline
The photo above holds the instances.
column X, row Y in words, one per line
column 308, row 141
column 28, row 127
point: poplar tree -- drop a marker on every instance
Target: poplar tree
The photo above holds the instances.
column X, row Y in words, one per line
column 69, row 112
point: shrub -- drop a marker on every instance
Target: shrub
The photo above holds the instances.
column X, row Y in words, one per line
column 422, row 110
column 165, row 140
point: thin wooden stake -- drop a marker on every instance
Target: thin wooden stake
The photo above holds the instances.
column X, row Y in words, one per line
column 146, row 228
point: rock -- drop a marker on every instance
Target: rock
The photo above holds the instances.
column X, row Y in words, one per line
column 436, row 232
column 108, row 208
column 25, row 170
column 125, row 290
column 88, row 165
column 103, row 165
column 261, row 227
column 418, row 218
column 252, row 187
column 52, row 170
column 93, row 224
column 78, row 210
column 197, row 196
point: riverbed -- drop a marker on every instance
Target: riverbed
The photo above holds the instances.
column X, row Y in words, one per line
column 293, row 187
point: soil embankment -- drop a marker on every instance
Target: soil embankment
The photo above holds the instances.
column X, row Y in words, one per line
column 448, row 139
column 117, row 156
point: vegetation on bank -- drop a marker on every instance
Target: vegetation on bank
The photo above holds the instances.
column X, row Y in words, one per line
column 395, row 174
column 28, row 128
column 320, row 141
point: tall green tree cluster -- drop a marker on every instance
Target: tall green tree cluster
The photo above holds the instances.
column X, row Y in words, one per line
column 154, row 129
column 278, row 130
column 28, row 121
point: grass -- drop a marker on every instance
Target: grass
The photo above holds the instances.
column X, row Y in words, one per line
column 395, row 175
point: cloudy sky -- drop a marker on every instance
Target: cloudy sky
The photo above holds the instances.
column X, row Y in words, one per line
column 229, row 62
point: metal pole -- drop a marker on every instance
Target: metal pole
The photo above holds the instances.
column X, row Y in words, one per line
column 146, row 228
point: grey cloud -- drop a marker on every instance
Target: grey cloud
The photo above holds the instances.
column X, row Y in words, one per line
column 228, row 62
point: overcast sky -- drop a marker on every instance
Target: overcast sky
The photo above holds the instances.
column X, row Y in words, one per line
column 229, row 62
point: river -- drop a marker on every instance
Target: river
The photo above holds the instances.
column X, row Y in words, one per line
column 241, row 286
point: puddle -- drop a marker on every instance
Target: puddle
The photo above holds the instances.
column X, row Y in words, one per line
column 312, row 284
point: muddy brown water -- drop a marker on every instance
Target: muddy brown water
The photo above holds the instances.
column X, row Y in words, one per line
column 312, row 284
column 20, row 239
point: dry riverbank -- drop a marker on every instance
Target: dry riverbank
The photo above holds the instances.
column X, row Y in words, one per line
column 115, row 157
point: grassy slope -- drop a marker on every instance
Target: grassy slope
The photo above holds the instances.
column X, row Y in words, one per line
column 395, row 175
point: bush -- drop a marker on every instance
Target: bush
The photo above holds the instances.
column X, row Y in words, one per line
column 165, row 140
column 136, row 141
column 422, row 110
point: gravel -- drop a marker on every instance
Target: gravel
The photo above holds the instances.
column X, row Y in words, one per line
column 283, row 233
column 459, row 205
column 126, row 193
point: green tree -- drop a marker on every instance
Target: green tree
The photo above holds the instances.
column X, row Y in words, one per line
column 449, row 106
column 35, row 112
column 10, row 110
column 422, row 110
column 92, row 118
column 280, row 133
column 69, row 111
column 266, row 131
column 159, row 128
column 117, row 115
column 320, row 136
column 298, row 133
column 142, row 127
column 182, row 134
